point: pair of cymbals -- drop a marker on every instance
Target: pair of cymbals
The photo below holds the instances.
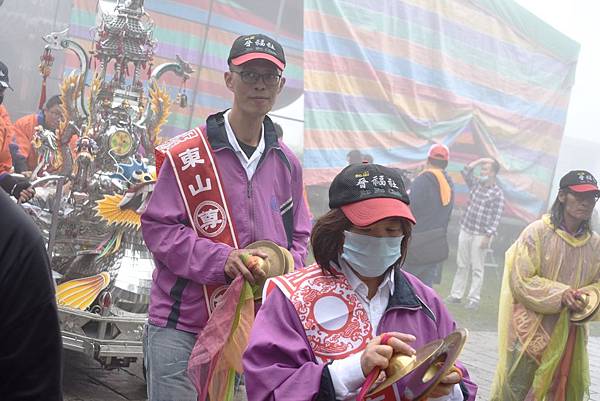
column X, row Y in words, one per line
column 425, row 370
column 591, row 298
column 279, row 261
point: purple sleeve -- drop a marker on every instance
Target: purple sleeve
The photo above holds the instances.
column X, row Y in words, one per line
column 447, row 325
column 302, row 225
column 173, row 243
column 279, row 364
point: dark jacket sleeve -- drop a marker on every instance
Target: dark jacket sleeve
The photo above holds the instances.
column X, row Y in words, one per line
column 30, row 341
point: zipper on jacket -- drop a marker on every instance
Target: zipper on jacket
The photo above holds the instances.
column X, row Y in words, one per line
column 250, row 207
column 249, row 193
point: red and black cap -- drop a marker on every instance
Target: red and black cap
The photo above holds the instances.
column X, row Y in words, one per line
column 368, row 193
column 256, row 46
column 579, row 181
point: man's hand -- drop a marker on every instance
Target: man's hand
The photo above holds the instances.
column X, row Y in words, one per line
column 482, row 160
column 485, row 160
column 573, row 300
column 234, row 266
column 444, row 388
column 18, row 187
column 485, row 242
column 26, row 194
column 377, row 355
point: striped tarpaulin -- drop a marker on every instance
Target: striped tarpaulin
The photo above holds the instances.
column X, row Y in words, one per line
column 391, row 77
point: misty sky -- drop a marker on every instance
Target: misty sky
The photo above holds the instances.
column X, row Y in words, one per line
column 577, row 19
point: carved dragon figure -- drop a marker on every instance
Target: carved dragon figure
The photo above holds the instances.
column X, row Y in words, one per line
column 60, row 41
column 157, row 113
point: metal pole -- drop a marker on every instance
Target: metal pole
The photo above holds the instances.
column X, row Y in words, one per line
column 279, row 18
column 55, row 209
column 200, row 65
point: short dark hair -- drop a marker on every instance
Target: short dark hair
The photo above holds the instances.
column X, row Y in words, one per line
column 327, row 238
column 438, row 163
column 53, row 101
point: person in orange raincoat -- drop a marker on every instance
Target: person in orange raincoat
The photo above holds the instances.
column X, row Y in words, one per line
column 5, row 138
column 5, row 123
column 19, row 188
column 25, row 158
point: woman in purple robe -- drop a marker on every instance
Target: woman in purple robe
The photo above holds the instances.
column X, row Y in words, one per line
column 319, row 332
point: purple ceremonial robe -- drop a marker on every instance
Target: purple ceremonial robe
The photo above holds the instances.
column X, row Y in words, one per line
column 279, row 364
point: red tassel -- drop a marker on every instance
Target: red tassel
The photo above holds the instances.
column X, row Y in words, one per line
column 42, row 95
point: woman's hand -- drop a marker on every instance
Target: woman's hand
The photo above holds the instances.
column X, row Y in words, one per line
column 378, row 355
column 445, row 386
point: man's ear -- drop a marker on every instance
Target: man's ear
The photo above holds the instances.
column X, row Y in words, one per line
column 281, row 84
column 228, row 77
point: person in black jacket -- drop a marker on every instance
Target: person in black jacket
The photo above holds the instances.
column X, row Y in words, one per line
column 432, row 200
column 30, row 342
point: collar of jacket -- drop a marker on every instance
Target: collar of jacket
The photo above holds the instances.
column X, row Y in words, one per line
column 404, row 296
column 217, row 135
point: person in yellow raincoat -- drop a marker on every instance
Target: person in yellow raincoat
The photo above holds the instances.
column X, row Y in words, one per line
column 553, row 263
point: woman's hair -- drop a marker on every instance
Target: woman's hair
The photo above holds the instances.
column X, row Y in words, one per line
column 327, row 238
column 557, row 213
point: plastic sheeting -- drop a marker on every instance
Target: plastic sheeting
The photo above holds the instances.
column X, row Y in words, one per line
column 391, row 77
column 388, row 77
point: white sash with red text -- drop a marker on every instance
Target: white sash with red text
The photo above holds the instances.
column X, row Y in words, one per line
column 200, row 185
column 334, row 320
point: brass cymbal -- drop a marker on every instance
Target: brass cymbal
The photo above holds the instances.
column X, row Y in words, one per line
column 289, row 260
column 433, row 362
column 592, row 302
column 401, row 365
column 276, row 263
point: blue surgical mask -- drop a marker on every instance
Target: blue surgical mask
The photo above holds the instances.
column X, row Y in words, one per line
column 370, row 256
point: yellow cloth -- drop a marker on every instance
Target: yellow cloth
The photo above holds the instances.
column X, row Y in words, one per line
column 540, row 266
column 445, row 190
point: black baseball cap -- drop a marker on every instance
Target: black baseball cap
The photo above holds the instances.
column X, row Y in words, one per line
column 579, row 181
column 256, row 46
column 368, row 192
column 4, row 76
